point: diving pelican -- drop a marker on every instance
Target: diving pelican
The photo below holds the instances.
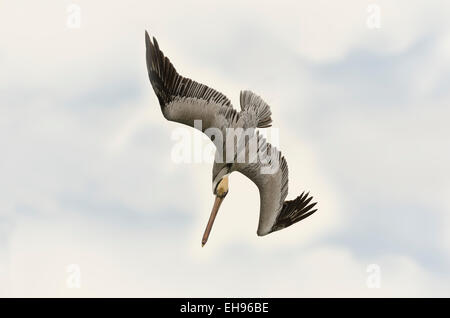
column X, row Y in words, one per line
column 185, row 101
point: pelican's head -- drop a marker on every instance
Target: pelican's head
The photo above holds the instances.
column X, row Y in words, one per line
column 220, row 190
column 220, row 179
column 221, row 187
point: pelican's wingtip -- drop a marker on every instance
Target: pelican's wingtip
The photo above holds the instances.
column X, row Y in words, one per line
column 147, row 39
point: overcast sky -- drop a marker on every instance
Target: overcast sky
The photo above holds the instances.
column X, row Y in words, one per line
column 90, row 193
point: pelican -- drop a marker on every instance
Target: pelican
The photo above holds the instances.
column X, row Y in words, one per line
column 188, row 102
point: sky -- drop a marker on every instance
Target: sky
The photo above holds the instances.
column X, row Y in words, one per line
column 93, row 204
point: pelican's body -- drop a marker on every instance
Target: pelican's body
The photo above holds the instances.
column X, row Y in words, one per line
column 185, row 101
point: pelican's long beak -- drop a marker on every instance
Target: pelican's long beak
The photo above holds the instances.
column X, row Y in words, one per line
column 212, row 217
column 222, row 190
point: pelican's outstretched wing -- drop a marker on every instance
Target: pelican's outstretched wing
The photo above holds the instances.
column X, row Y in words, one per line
column 269, row 171
column 183, row 100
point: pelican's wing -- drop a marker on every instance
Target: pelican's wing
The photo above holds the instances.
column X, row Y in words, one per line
column 183, row 100
column 254, row 111
column 269, row 171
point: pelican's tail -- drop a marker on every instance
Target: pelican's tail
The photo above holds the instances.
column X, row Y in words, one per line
column 294, row 211
column 251, row 102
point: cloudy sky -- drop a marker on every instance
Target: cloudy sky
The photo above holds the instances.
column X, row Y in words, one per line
column 92, row 203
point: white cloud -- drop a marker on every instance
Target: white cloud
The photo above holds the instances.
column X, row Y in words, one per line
column 113, row 264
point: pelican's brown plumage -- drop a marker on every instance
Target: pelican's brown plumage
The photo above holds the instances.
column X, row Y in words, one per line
column 183, row 100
